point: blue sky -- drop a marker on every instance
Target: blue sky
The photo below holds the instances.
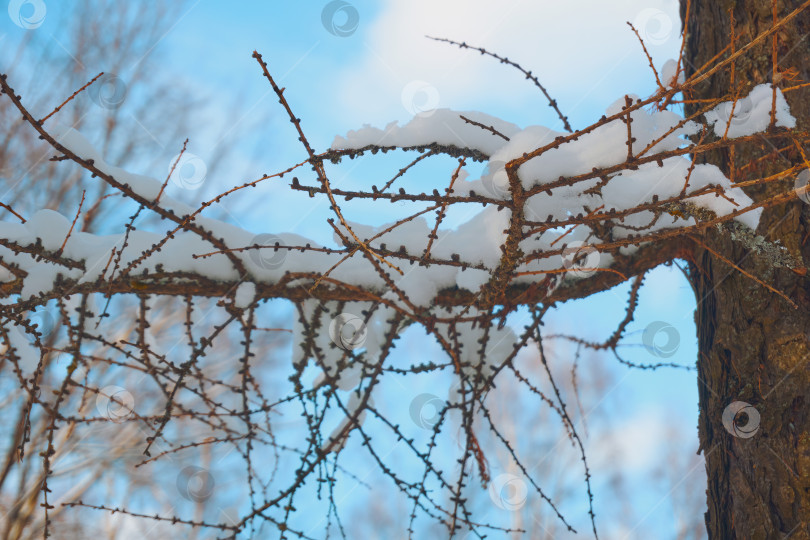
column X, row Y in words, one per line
column 582, row 51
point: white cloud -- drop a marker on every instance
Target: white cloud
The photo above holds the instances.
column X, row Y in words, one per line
column 578, row 48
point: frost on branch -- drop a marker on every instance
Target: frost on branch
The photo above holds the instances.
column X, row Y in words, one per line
column 554, row 216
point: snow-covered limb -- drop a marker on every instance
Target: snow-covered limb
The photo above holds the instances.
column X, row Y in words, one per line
column 605, row 189
column 561, row 217
column 554, row 216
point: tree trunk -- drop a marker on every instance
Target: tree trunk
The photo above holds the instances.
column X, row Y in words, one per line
column 753, row 344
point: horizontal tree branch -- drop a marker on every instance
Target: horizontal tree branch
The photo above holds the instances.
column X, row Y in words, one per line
column 188, row 284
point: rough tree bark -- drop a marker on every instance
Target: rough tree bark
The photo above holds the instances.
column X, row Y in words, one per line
column 754, row 345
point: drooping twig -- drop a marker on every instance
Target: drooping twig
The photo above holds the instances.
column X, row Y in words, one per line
column 503, row 60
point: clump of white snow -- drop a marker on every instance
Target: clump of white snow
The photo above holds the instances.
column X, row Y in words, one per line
column 751, row 113
column 668, row 73
column 443, row 126
column 245, row 294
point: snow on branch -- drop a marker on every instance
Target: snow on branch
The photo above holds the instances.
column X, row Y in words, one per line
column 557, row 216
